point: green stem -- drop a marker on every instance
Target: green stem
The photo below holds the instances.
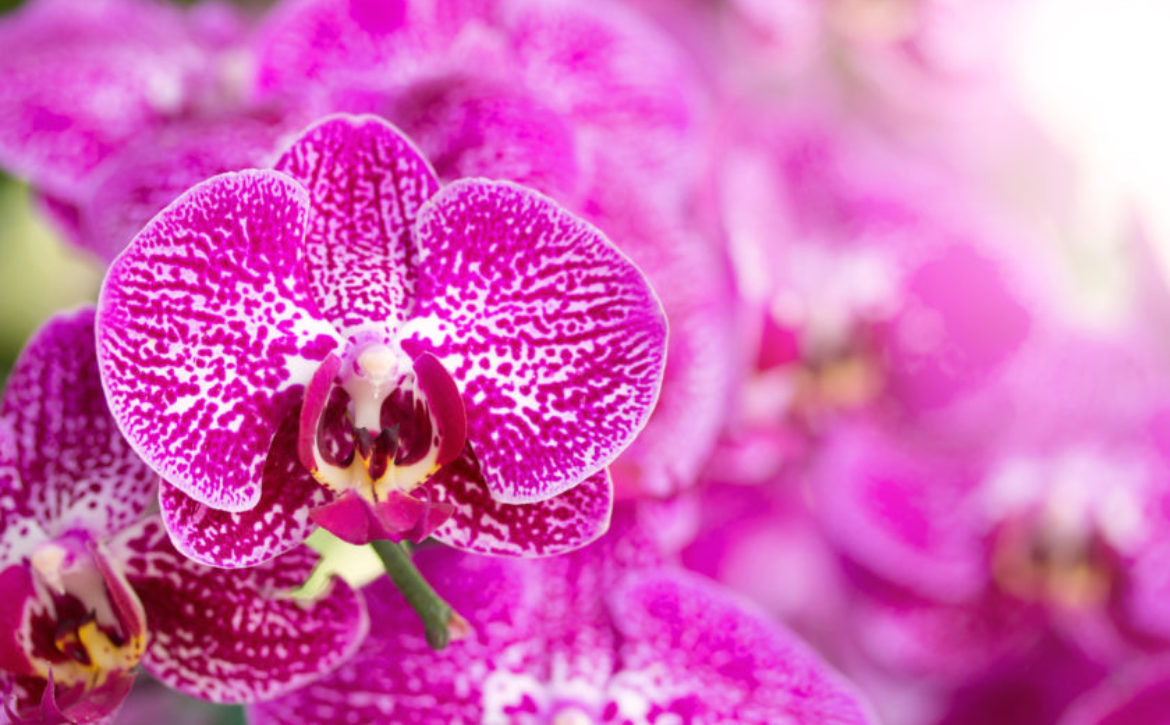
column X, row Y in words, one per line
column 435, row 613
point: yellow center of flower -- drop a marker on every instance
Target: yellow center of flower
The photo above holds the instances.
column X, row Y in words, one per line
column 395, row 444
column 84, row 622
column 1038, row 564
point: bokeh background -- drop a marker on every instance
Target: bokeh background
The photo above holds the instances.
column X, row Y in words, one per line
column 1052, row 115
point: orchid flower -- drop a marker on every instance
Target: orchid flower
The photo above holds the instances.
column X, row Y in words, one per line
column 986, row 540
column 340, row 341
column 93, row 587
column 601, row 635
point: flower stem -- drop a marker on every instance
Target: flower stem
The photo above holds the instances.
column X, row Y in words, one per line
column 437, row 616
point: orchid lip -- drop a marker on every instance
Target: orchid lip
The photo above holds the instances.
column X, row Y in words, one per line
column 406, row 418
column 82, row 621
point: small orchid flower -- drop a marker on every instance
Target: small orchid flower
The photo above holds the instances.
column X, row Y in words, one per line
column 341, row 341
column 987, row 540
column 92, row 586
column 591, row 637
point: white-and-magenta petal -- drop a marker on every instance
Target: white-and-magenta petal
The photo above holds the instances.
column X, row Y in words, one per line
column 692, row 278
column 582, row 635
column 366, row 183
column 207, row 333
column 72, row 468
column 237, row 635
column 279, row 522
column 544, row 528
column 691, row 651
column 399, row 678
column 554, row 337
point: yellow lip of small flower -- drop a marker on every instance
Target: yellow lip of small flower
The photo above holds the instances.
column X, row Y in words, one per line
column 1067, row 575
column 100, row 656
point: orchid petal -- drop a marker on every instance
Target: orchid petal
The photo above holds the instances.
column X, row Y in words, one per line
column 237, row 635
column 312, row 45
column 693, row 281
column 401, row 679
column 279, row 522
column 1138, row 694
column 156, row 167
column 611, row 70
column 207, row 333
column 899, row 512
column 554, row 336
column 470, row 125
column 73, row 469
column 961, row 322
column 690, row 650
column 60, row 56
column 366, row 183
column 545, row 528
column 553, row 635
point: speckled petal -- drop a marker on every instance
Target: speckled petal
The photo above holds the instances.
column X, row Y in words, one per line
column 207, row 333
column 693, row 281
column 237, row 635
column 694, row 652
column 397, row 678
column 14, row 537
column 278, row 523
column 553, row 336
column 79, row 77
column 73, row 467
column 545, row 528
column 366, row 183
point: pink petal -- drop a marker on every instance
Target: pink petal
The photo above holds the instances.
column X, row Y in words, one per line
column 279, row 522
column 366, row 184
column 690, row 650
column 903, row 511
column 72, row 467
column 693, row 281
column 400, row 678
column 554, row 526
column 236, row 635
column 138, row 56
column 207, row 333
column 157, row 166
column 1137, row 695
column 554, row 337
column 614, row 72
column 962, row 320
column 470, row 124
